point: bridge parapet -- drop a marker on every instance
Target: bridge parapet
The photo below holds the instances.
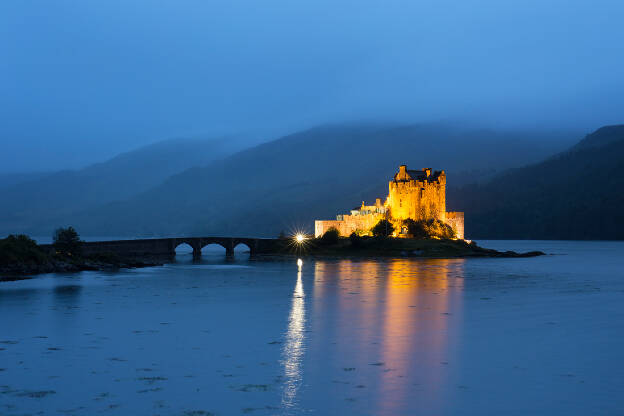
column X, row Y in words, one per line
column 152, row 247
column 165, row 247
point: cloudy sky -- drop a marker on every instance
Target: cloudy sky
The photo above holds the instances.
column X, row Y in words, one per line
column 83, row 80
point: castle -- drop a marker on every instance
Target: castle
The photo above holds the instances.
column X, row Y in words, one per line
column 415, row 194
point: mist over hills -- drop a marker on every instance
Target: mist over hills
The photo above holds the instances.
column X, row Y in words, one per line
column 577, row 194
column 287, row 183
column 31, row 202
column 8, row 180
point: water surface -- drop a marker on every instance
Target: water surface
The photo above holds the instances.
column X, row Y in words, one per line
column 363, row 337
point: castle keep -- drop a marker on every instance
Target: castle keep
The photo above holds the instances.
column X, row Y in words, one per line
column 415, row 194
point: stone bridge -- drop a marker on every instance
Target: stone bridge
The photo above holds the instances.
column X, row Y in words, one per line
column 165, row 247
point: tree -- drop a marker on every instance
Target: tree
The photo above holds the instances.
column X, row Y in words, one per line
column 67, row 241
column 20, row 249
column 356, row 240
column 439, row 229
column 383, row 228
column 416, row 229
column 331, row 236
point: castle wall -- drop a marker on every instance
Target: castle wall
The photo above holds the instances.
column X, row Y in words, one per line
column 456, row 220
column 321, row 226
column 348, row 225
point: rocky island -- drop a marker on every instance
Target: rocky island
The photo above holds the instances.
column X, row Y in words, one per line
column 355, row 246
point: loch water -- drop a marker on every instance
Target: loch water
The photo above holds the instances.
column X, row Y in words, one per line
column 539, row 336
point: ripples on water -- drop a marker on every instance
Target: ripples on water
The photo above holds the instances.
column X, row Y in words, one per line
column 369, row 337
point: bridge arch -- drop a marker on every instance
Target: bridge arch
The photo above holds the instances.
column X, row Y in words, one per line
column 183, row 247
column 213, row 247
column 243, row 247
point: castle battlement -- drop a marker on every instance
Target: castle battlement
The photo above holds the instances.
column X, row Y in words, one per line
column 414, row 194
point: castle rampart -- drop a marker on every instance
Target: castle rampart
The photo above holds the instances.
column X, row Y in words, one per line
column 456, row 221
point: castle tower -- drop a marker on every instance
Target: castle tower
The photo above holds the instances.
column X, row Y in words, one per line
column 417, row 194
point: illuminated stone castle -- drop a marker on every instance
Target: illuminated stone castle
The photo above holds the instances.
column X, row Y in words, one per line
column 415, row 194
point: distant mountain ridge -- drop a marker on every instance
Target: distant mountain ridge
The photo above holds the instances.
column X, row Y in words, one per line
column 316, row 173
column 601, row 137
column 36, row 200
column 8, row 180
column 284, row 184
column 577, row 194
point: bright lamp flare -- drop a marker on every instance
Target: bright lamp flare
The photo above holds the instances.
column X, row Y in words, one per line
column 300, row 238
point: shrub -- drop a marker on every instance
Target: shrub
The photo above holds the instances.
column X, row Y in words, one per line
column 331, row 236
column 383, row 228
column 415, row 228
column 67, row 241
column 440, row 229
column 432, row 228
column 20, row 249
column 356, row 240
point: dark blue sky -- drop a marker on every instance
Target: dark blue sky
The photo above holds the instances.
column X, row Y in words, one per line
column 81, row 81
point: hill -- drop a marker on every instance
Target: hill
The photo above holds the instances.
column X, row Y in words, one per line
column 36, row 201
column 289, row 182
column 8, row 180
column 577, row 194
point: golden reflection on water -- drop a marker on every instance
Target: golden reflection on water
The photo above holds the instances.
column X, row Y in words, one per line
column 391, row 320
column 416, row 323
column 293, row 351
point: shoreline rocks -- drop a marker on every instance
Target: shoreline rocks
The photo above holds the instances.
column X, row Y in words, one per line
column 343, row 248
column 21, row 270
column 403, row 247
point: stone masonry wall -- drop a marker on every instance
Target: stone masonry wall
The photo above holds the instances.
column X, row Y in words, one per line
column 456, row 220
column 348, row 225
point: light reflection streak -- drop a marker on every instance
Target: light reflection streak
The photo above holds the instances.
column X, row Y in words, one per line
column 294, row 348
